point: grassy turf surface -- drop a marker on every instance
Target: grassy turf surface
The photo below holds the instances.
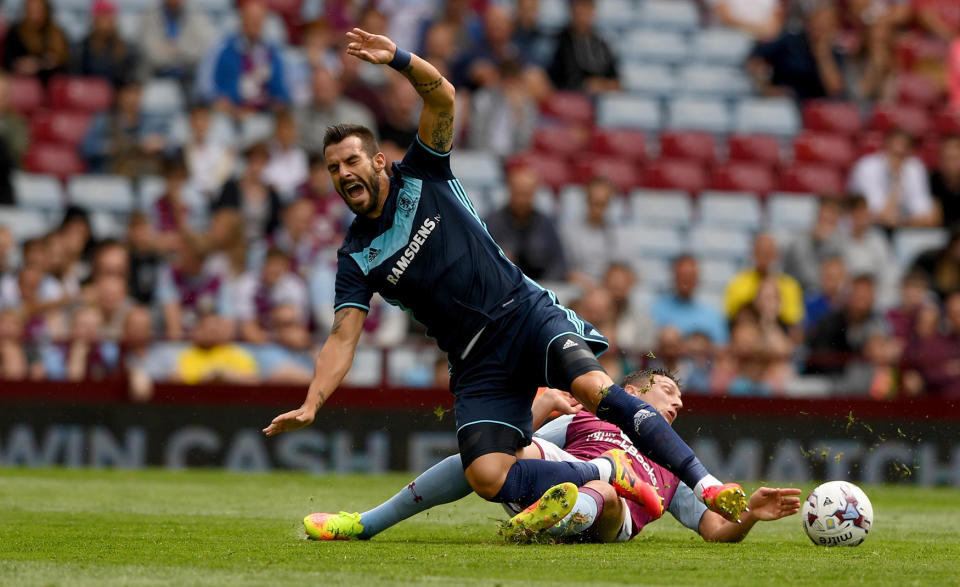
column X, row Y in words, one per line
column 155, row 527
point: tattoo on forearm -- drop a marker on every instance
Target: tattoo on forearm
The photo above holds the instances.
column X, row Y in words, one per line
column 442, row 136
column 422, row 88
column 338, row 319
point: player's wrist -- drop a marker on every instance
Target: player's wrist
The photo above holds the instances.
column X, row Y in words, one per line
column 401, row 59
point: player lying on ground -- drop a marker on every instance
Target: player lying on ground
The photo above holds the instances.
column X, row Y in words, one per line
column 418, row 242
column 596, row 512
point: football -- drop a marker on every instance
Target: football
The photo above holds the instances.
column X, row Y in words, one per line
column 837, row 513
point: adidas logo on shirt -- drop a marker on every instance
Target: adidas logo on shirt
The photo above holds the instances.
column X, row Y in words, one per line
column 569, row 344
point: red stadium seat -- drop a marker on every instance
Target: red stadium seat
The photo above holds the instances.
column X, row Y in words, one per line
column 67, row 128
column 917, row 90
column 688, row 145
column 757, row 148
column 26, row 94
column 623, row 173
column 565, row 141
column 628, row 144
column 929, row 151
column 569, row 106
column 89, row 94
column 687, row 175
column 811, row 177
column 948, row 121
column 870, row 142
column 887, row 117
column 53, row 159
column 742, row 176
column 913, row 51
column 831, row 116
column 555, row 172
column 825, row 148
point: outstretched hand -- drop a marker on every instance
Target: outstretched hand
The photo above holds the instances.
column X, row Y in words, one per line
column 769, row 503
column 292, row 420
column 369, row 47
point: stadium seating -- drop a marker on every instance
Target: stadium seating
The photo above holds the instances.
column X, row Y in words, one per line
column 101, row 193
column 569, row 106
column 58, row 160
column 367, row 370
column 39, row 192
column 26, row 94
column 948, row 121
column 655, row 46
column 721, row 46
column 87, row 94
column 627, row 144
column 685, row 175
column 476, row 168
column 623, row 173
column 564, row 141
column 60, row 127
column 162, row 97
column 661, row 208
column 653, row 273
column 811, row 177
column 716, row 273
column 552, row 15
column 708, row 242
column 703, row 114
column 614, row 15
column 572, row 201
column 791, row 212
column 649, row 79
column 917, row 90
column 654, row 241
column 830, row 149
column 675, row 15
column 774, row 116
column 633, row 112
column 23, row 223
column 754, row 148
column 910, row 242
column 150, row 188
column 713, row 80
column 887, row 117
column 739, row 210
column 554, row 171
column 106, row 225
column 695, row 145
column 831, row 116
column 743, row 176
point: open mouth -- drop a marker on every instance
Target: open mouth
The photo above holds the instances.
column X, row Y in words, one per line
column 354, row 190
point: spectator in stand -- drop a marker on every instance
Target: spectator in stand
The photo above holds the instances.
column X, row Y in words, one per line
column 109, row 293
column 35, row 46
column 7, row 247
column 597, row 307
column 178, row 209
column 296, row 236
column 247, row 70
column 830, row 293
column 940, row 19
column 14, row 364
column 328, row 107
column 440, row 47
column 259, row 293
column 583, row 60
column 941, row 265
column 761, row 19
column 185, row 292
column 805, row 64
column 866, row 250
column 931, row 361
column 914, row 295
column 841, row 334
column 212, row 357
column 876, row 22
column 804, row 255
column 145, row 259
column 696, row 368
column 330, row 215
column 123, row 140
column 743, row 288
column 14, row 134
column 286, row 357
column 945, row 182
column 144, row 360
column 398, row 127
column 70, row 249
column 526, row 235
column 679, row 309
column 258, row 203
column 776, row 336
column 85, row 356
column 173, row 38
column 104, row 53
column 288, row 166
column 744, row 370
column 479, row 66
column 208, row 153
column 319, row 45
column 504, row 113
column 633, row 325
column 873, row 373
column 528, row 37
column 894, row 183
column 590, row 244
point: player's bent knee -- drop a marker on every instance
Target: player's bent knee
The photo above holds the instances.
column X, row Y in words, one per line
column 607, row 492
column 487, row 473
column 569, row 357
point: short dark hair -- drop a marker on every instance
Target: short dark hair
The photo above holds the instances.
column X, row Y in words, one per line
column 645, row 377
column 341, row 132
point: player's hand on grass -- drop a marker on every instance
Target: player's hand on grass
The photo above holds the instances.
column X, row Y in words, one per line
column 292, row 420
column 373, row 48
column 769, row 503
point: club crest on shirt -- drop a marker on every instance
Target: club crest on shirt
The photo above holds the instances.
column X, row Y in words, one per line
column 405, row 203
column 372, row 254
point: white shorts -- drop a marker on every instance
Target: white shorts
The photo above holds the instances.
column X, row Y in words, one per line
column 551, row 452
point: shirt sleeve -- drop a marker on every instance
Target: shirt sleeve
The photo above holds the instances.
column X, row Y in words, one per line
column 916, row 186
column 555, row 431
column 686, row 508
column 351, row 287
column 423, row 162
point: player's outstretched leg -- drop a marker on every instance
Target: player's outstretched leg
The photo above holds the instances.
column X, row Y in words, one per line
column 628, row 484
column 552, row 507
column 342, row 526
column 728, row 500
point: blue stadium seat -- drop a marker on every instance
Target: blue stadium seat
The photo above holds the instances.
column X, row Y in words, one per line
column 689, row 113
column 106, row 225
column 24, row 223
column 101, row 193
column 791, row 212
column 719, row 243
column 653, row 274
column 476, row 169
column 910, row 242
column 367, row 369
column 722, row 46
column 676, row 15
column 37, row 191
column 128, row 25
column 76, row 24
column 650, row 241
column 553, row 15
column 716, row 273
column 150, row 188
column 649, row 79
column 411, row 366
column 655, row 46
column 774, row 116
column 162, row 97
column 670, row 208
column 572, row 201
column 545, row 202
column 620, row 111
column 616, row 15
column 713, row 80
column 729, row 210
column 255, row 128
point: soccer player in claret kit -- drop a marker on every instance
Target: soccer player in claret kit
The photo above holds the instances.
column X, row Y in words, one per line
column 419, row 243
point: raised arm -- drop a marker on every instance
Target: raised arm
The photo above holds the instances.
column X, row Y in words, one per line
column 436, row 118
column 333, row 362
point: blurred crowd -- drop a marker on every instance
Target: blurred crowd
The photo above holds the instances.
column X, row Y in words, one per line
column 228, row 274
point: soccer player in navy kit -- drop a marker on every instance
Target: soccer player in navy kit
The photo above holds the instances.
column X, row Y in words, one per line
column 418, row 242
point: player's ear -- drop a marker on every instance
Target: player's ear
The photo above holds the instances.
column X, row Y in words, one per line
column 379, row 162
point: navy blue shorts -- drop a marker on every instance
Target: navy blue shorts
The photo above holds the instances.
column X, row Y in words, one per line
column 498, row 379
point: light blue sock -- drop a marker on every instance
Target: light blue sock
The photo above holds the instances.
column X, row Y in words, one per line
column 585, row 512
column 440, row 484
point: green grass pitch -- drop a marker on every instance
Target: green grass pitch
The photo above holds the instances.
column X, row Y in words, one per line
column 155, row 527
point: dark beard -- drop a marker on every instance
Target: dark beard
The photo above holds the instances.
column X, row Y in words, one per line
column 372, row 184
